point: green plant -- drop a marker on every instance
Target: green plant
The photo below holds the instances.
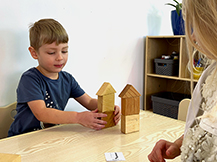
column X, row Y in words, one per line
column 178, row 6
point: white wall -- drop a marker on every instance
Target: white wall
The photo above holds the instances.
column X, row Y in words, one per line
column 106, row 40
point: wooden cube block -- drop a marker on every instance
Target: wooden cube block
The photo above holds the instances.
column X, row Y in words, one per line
column 109, row 119
column 106, row 103
column 10, row 157
column 130, row 106
column 130, row 123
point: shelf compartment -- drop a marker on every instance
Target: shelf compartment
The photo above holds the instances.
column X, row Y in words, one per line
column 156, row 46
column 159, row 84
column 159, row 46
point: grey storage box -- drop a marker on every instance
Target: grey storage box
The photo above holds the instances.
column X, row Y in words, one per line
column 168, row 67
column 167, row 103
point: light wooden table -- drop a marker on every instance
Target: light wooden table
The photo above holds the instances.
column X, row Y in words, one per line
column 80, row 144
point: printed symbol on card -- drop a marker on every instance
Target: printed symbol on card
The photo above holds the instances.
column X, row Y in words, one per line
column 114, row 156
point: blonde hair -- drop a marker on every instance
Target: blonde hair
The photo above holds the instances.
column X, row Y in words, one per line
column 47, row 31
column 201, row 17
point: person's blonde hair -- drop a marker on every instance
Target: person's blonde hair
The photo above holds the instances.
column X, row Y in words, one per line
column 47, row 31
column 201, row 16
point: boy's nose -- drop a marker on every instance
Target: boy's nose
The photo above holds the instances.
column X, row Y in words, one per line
column 59, row 57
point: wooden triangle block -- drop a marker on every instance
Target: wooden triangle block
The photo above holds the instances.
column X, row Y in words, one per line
column 106, row 89
column 129, row 92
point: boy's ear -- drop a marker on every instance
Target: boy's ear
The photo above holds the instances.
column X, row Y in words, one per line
column 33, row 52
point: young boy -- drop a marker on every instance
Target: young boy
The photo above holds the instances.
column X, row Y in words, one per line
column 43, row 92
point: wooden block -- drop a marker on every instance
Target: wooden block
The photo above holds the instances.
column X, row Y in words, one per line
column 130, row 123
column 130, row 100
column 109, row 119
column 10, row 158
column 105, row 89
column 130, row 106
column 129, row 91
column 106, row 97
column 106, row 103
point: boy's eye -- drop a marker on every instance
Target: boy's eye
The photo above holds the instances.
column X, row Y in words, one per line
column 64, row 51
column 51, row 53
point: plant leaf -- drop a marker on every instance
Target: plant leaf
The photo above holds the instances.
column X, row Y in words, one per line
column 171, row 4
column 176, row 1
column 178, row 10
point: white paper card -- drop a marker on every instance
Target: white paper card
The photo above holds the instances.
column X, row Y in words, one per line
column 114, row 156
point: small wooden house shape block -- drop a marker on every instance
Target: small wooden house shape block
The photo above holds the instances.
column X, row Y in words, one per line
column 106, row 98
column 106, row 103
column 130, row 108
column 130, row 100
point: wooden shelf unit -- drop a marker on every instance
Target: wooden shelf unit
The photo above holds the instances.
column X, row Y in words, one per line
column 154, row 83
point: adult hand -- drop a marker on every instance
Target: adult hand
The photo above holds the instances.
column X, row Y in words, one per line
column 164, row 150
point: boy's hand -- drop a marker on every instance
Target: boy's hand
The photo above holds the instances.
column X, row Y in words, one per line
column 91, row 119
column 117, row 114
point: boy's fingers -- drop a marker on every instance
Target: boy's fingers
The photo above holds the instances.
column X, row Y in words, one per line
column 117, row 119
column 117, row 111
column 101, row 122
column 98, row 126
column 100, row 115
column 95, row 111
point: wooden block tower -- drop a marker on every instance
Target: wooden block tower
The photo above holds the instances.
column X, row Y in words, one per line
column 130, row 108
column 106, row 103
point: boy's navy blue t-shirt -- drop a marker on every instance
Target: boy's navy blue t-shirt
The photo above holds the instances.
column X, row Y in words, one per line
column 35, row 86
